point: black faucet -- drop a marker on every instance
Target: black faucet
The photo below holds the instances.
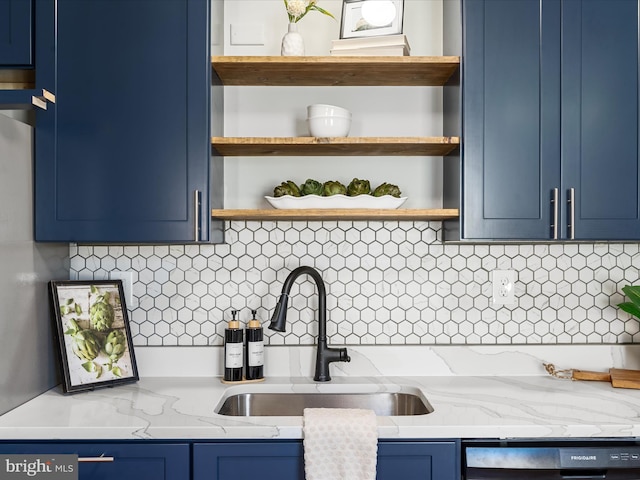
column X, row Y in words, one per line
column 324, row 354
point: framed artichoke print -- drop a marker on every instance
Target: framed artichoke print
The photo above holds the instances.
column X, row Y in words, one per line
column 94, row 337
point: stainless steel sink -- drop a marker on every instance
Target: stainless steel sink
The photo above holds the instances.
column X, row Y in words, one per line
column 292, row 404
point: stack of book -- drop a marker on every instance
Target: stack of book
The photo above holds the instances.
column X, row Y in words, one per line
column 386, row 45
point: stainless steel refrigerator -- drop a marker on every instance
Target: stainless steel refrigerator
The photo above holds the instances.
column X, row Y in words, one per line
column 28, row 362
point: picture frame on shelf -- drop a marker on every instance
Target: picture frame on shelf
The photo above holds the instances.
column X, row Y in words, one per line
column 93, row 334
column 370, row 18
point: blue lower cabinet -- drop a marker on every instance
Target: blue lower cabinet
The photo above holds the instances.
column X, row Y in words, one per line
column 284, row 460
column 130, row 461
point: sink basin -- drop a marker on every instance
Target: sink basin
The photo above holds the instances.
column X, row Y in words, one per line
column 292, row 404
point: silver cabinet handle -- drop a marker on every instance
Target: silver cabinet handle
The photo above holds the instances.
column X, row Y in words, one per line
column 95, row 459
column 571, row 227
column 554, row 221
column 196, row 215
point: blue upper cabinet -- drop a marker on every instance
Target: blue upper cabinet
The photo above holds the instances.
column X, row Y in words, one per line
column 511, row 115
column 550, row 120
column 123, row 155
column 16, row 32
column 600, row 119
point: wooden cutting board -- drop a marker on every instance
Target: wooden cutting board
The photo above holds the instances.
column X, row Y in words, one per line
column 618, row 377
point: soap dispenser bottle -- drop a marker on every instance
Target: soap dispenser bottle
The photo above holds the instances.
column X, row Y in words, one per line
column 254, row 353
column 233, row 346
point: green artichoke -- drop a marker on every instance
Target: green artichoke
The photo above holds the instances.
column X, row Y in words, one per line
column 358, row 187
column 101, row 313
column 311, row 187
column 286, row 188
column 387, row 189
column 86, row 344
column 333, row 188
column 115, row 345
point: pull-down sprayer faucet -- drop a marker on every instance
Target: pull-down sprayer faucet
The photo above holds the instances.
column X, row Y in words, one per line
column 324, row 354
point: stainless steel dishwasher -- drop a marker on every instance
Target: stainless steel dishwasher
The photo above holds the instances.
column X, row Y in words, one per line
column 550, row 459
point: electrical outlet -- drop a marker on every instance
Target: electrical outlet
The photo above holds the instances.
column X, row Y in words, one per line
column 127, row 285
column 503, row 285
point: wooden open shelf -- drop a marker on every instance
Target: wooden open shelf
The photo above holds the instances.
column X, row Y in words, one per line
column 338, row 146
column 334, row 71
column 336, row 214
column 17, row 79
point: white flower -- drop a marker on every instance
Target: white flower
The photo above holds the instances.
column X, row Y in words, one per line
column 297, row 8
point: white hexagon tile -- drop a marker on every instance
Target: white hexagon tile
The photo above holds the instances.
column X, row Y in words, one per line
column 387, row 283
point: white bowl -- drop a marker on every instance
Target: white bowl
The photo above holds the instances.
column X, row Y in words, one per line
column 337, row 115
column 321, row 109
column 326, row 127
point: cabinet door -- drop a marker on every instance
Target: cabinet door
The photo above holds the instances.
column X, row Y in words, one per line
column 248, row 460
column 418, row 460
column 16, row 34
column 600, row 118
column 130, row 461
column 511, row 118
column 123, row 155
column 285, row 460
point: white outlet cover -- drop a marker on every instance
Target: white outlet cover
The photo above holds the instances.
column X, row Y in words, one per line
column 127, row 285
column 503, row 282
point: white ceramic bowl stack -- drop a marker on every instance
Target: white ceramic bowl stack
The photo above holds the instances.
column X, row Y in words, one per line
column 328, row 121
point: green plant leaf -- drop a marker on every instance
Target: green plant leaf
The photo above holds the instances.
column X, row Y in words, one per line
column 633, row 292
column 630, row 308
column 93, row 289
column 116, row 371
column 70, row 301
column 322, row 10
column 78, row 309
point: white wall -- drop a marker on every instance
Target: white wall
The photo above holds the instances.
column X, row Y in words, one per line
column 377, row 111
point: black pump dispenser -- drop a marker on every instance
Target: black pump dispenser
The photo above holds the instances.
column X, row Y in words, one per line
column 233, row 346
column 254, row 353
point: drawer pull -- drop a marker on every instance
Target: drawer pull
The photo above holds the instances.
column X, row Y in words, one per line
column 95, row 459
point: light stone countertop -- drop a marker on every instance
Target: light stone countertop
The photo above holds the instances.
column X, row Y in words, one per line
column 520, row 401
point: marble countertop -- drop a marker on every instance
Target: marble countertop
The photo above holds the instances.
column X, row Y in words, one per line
column 464, row 407
column 476, row 392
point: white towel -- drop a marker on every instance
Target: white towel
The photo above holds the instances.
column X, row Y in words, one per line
column 340, row 444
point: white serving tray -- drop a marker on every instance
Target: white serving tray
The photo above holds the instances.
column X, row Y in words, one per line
column 336, row 201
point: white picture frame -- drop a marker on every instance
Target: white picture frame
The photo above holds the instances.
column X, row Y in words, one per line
column 354, row 25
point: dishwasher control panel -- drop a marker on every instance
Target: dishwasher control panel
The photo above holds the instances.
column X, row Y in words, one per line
column 552, row 457
column 608, row 457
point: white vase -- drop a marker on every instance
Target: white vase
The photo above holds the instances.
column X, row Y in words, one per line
column 292, row 42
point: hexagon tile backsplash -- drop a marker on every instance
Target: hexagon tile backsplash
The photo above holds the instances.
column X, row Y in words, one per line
column 387, row 283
